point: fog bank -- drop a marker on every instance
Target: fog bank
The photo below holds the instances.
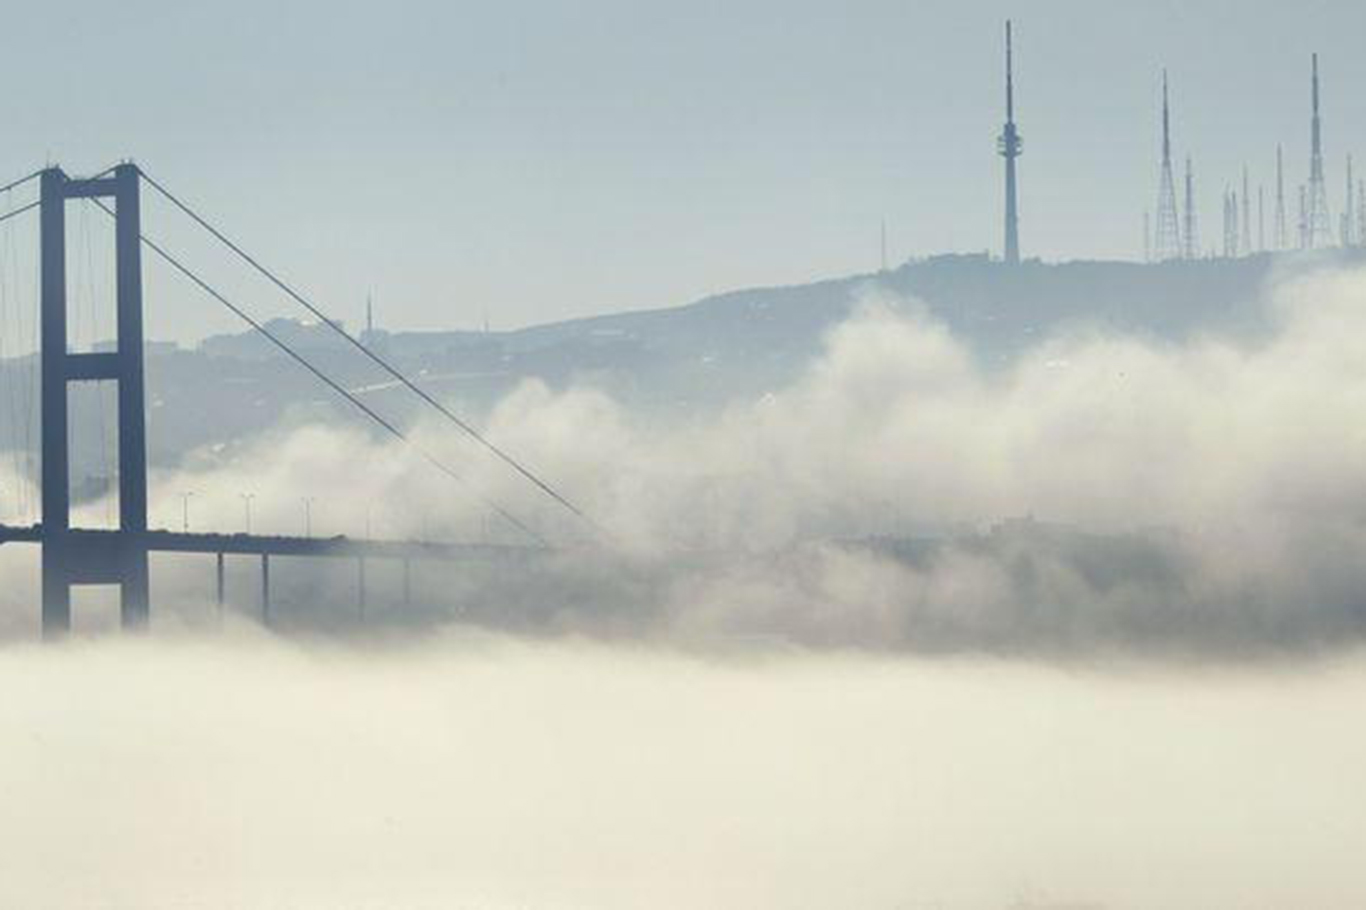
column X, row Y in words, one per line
column 488, row 773
column 1103, row 494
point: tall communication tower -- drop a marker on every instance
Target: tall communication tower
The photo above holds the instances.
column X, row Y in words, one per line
column 1282, row 238
column 1318, row 230
column 1010, row 146
column 1168, row 242
column 1191, row 248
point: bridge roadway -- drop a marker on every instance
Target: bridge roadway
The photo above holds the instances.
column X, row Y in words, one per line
column 161, row 541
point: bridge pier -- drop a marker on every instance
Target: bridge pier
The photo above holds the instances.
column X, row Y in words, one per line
column 360, row 588
column 265, row 589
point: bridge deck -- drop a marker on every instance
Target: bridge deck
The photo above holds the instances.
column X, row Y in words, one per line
column 263, row 545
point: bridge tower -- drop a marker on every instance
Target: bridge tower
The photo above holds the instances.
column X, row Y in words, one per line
column 70, row 557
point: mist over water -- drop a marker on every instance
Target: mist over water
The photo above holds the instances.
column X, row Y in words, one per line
column 494, row 773
column 914, row 631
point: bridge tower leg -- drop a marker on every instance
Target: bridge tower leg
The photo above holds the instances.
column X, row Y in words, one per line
column 56, row 479
column 68, row 558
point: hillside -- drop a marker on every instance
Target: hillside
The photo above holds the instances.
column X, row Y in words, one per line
column 681, row 359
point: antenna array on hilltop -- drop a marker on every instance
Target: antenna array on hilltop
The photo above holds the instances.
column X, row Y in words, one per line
column 1171, row 231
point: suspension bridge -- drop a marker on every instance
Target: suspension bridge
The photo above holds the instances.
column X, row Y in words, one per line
column 119, row 555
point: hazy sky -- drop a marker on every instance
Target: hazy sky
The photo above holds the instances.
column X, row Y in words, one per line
column 532, row 161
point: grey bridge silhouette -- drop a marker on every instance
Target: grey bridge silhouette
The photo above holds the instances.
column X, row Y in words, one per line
column 119, row 556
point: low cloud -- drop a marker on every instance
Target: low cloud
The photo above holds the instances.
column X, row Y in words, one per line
column 1105, row 493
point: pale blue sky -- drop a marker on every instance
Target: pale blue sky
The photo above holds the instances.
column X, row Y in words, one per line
column 533, row 161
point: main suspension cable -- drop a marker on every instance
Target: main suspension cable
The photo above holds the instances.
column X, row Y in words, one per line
column 331, row 383
column 484, row 441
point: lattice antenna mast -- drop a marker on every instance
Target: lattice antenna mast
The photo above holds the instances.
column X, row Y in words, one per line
column 1361, row 212
column 1304, row 218
column 1191, row 238
column 1349, row 227
column 1318, row 230
column 1168, row 241
column 1010, row 146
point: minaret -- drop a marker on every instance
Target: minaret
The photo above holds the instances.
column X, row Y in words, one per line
column 1318, row 230
column 1191, row 248
column 1010, row 147
column 1168, row 243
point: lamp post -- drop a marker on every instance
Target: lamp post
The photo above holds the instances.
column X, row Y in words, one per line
column 246, row 507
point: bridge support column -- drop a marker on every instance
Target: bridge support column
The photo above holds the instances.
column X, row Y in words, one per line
column 220, row 587
column 56, row 468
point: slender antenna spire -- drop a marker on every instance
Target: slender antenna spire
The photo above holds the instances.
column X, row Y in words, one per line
column 1282, row 238
column 1166, row 121
column 1010, row 147
column 1348, row 210
column 1245, row 235
column 1010, row 74
column 1168, row 230
column 369, row 313
column 1230, row 223
column 1261, row 218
